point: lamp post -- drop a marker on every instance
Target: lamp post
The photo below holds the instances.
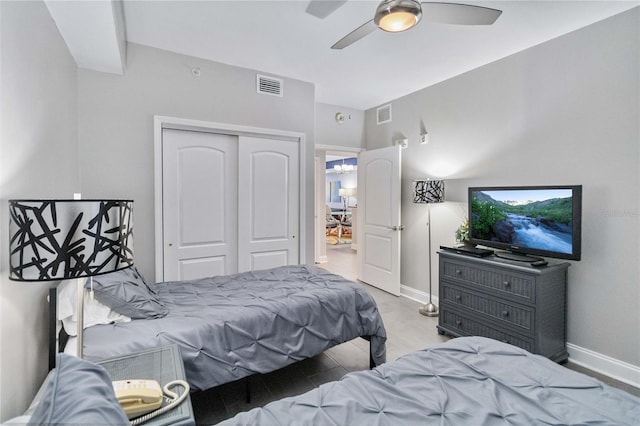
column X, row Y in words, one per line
column 428, row 191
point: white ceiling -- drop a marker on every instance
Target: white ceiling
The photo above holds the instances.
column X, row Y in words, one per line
column 280, row 38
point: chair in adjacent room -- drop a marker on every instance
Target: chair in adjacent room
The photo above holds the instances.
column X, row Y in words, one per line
column 345, row 225
column 330, row 221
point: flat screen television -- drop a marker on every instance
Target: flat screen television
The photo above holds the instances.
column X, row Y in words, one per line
column 527, row 220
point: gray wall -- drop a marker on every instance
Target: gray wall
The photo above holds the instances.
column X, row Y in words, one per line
column 116, row 125
column 349, row 134
column 564, row 112
column 39, row 159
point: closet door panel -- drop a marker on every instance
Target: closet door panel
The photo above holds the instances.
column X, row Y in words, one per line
column 268, row 203
column 199, row 204
column 229, row 203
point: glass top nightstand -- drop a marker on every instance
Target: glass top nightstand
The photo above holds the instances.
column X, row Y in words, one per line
column 162, row 364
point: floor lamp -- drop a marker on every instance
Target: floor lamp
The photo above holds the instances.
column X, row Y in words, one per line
column 427, row 191
column 54, row 240
column 346, row 193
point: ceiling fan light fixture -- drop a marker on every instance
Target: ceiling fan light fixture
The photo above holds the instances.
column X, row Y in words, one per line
column 397, row 15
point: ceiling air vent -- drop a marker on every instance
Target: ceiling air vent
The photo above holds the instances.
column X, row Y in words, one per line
column 384, row 114
column 269, row 85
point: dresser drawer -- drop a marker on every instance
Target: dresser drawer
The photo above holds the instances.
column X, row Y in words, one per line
column 503, row 311
column 521, row 286
column 462, row 325
column 504, row 300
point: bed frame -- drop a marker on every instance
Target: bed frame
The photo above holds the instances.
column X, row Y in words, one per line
column 58, row 339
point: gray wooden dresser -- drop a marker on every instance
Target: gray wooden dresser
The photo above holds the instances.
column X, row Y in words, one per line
column 505, row 300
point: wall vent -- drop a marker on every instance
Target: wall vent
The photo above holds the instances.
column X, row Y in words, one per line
column 384, row 114
column 269, row 85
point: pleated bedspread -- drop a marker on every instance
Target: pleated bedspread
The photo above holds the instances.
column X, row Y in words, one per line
column 229, row 327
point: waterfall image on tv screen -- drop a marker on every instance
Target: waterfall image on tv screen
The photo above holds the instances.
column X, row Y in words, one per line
column 537, row 219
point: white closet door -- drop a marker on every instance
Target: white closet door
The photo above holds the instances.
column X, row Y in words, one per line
column 200, row 214
column 268, row 203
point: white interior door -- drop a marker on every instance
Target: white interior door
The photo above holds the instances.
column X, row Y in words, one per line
column 379, row 218
column 268, row 203
column 199, row 199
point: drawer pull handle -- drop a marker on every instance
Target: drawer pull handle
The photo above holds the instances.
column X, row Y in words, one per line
column 505, row 313
column 458, row 297
column 458, row 272
column 505, row 340
column 458, row 323
column 507, row 284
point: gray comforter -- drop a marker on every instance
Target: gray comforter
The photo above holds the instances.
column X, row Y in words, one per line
column 466, row 381
column 229, row 327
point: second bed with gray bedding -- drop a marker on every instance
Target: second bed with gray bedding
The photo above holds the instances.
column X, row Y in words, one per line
column 465, row 381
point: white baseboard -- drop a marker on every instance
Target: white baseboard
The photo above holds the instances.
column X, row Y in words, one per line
column 612, row 367
column 322, row 259
column 416, row 295
column 600, row 363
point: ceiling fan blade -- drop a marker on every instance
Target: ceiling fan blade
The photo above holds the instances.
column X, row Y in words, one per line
column 355, row 35
column 460, row 14
column 323, row 8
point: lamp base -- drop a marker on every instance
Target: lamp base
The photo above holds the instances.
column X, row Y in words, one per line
column 429, row 310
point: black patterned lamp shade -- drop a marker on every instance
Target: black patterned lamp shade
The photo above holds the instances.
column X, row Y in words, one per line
column 64, row 239
column 428, row 191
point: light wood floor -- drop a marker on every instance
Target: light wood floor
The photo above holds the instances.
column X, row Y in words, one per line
column 407, row 331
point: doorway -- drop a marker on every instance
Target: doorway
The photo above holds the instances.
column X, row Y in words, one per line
column 377, row 226
column 336, row 209
column 341, row 186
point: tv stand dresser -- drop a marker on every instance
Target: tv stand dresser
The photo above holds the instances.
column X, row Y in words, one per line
column 505, row 300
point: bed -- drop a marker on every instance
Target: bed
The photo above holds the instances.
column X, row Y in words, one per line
column 465, row 381
column 227, row 327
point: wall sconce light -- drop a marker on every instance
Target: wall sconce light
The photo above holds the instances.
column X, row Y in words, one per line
column 424, row 137
column 403, row 142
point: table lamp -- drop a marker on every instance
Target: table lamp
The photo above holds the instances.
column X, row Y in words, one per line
column 53, row 240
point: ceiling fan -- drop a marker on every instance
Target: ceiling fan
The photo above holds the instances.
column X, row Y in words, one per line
column 401, row 15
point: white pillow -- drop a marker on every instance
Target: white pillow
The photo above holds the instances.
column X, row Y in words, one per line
column 94, row 311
